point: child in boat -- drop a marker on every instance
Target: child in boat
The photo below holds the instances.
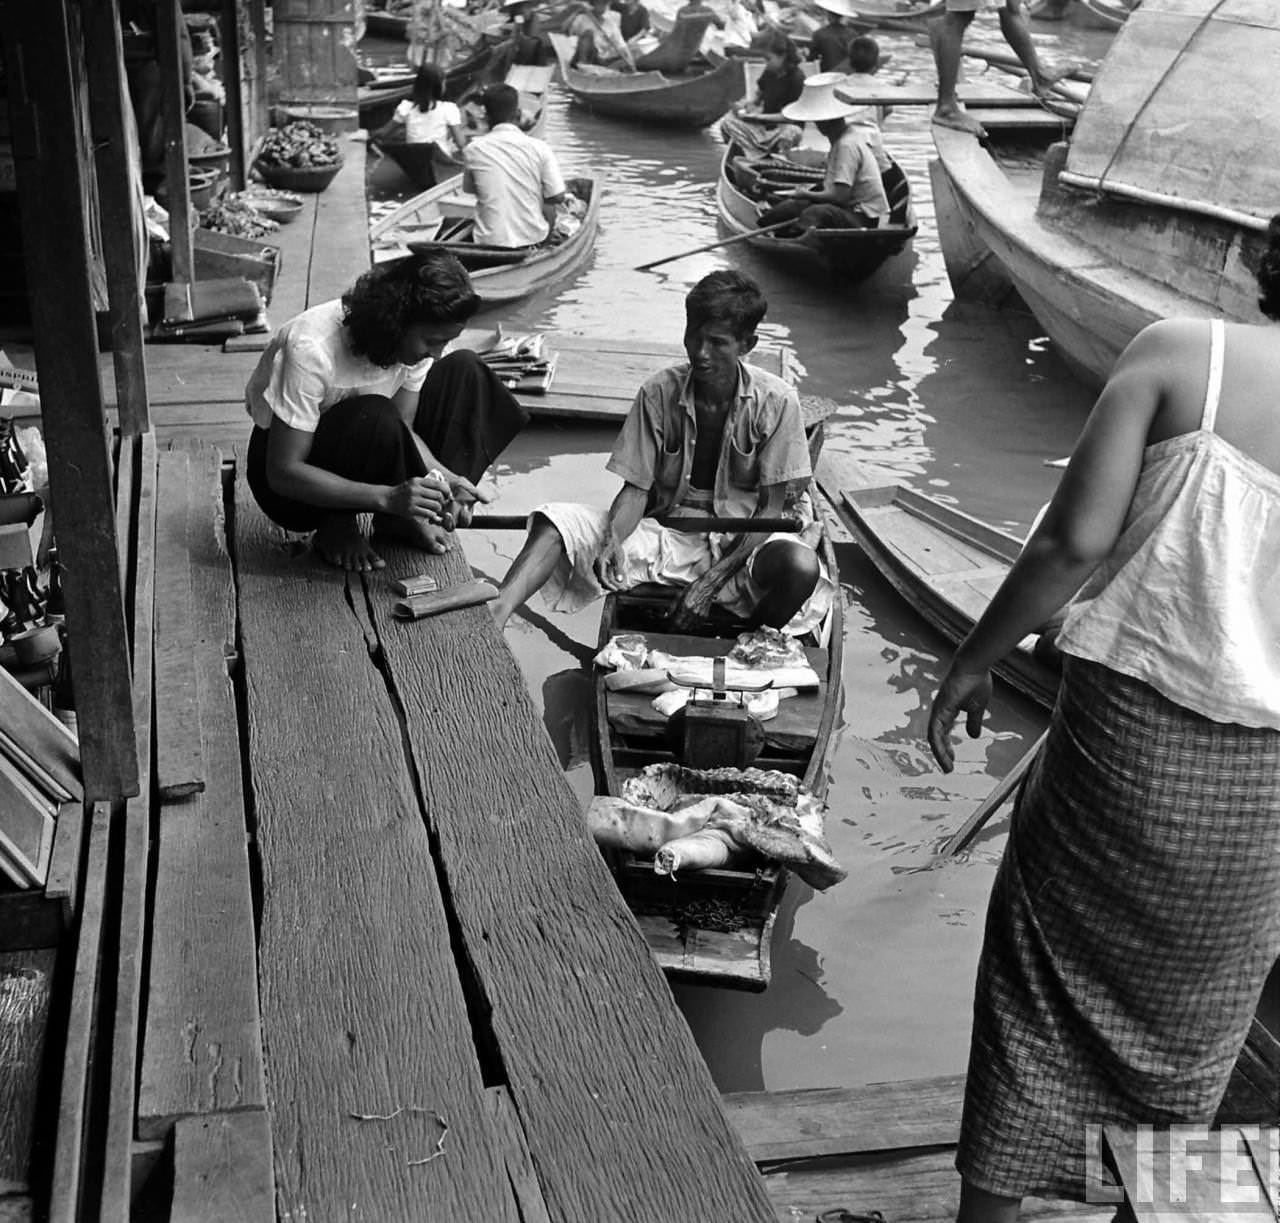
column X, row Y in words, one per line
column 355, row 409
column 712, row 435
column 428, row 118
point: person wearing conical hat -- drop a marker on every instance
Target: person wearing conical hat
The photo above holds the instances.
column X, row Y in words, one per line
column 946, row 36
column 851, row 195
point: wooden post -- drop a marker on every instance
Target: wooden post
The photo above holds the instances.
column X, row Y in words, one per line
column 233, row 86
column 124, row 235
column 169, row 21
column 45, row 72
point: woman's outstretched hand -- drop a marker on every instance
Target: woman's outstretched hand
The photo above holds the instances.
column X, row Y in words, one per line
column 961, row 691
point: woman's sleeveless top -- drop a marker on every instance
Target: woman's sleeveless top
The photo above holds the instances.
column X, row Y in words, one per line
column 1189, row 599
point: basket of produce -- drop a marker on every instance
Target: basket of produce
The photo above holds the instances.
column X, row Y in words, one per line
column 298, row 157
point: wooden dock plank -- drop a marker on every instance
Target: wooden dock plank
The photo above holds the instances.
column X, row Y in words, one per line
column 179, row 759
column 68, row 1154
column 222, row 1169
column 117, row 1164
column 363, row 1008
column 202, row 1051
column 26, row 986
column 596, row 1054
column 342, row 209
column 806, row 1124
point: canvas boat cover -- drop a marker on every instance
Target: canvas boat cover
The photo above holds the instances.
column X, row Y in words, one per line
column 1186, row 106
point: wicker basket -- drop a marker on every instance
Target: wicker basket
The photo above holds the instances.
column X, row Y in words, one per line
column 298, row 178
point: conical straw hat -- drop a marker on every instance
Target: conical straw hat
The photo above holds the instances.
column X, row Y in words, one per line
column 819, row 101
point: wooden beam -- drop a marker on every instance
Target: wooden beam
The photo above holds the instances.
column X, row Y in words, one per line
column 124, row 235
column 233, row 83
column 44, row 71
column 169, row 33
column 222, row 1169
column 117, row 1164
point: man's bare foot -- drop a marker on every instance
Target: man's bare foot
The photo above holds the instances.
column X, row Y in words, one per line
column 342, row 544
column 1043, row 86
column 960, row 119
column 428, row 536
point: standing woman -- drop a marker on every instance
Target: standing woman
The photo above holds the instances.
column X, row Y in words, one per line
column 1136, row 912
column 355, row 410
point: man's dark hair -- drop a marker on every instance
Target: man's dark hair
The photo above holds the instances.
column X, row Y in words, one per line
column 392, row 297
column 728, row 297
column 864, row 54
column 501, row 104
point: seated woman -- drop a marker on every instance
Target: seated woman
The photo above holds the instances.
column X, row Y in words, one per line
column 355, row 410
column 600, row 40
column 427, row 117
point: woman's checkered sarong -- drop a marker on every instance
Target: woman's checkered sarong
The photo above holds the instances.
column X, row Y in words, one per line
column 1134, row 919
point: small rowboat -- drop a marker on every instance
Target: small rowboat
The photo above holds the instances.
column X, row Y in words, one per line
column 693, row 99
column 712, row 926
column 946, row 564
column 378, row 23
column 848, row 254
column 439, row 218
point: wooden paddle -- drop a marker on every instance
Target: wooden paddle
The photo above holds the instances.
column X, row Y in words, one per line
column 517, row 522
column 992, row 803
column 710, row 246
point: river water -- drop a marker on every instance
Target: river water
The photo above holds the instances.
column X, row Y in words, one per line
column 872, row 981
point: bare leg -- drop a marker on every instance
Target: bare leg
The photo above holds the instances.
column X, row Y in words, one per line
column 946, row 36
column 340, row 541
column 788, row 572
column 979, row 1206
column 542, row 552
column 1017, row 33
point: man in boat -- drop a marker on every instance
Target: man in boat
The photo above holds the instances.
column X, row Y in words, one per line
column 600, row 41
column 829, row 44
column 516, row 180
column 712, row 435
column 355, row 410
column 946, row 35
column 527, row 44
column 851, row 194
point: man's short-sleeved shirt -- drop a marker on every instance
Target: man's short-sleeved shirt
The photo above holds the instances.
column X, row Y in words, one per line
column 852, row 161
column 308, row 367
column 763, row 442
column 512, row 174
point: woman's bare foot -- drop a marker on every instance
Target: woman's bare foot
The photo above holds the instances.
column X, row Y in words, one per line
column 960, row 119
column 428, row 536
column 341, row 542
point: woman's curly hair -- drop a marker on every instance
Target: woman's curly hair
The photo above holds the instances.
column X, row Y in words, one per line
column 390, row 298
column 1269, row 272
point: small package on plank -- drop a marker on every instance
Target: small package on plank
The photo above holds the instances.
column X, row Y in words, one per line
column 419, row 584
column 468, row 594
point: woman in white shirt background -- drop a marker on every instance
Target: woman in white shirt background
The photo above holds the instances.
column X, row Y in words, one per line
column 428, row 118
column 353, row 404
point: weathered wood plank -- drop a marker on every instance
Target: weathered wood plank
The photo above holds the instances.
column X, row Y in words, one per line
column 363, row 1009
column 342, row 209
column 40, row 735
column 551, row 942
column 68, row 1153
column 180, row 765
column 222, row 1169
column 805, row 1124
column 524, row 1177
column 202, row 1051
column 50, row 154
column 26, row 986
column 117, row 1164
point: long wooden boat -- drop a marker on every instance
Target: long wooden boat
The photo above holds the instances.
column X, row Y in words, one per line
column 425, row 163
column 944, row 562
column 713, row 926
column 378, row 23
column 437, row 220
column 1089, row 14
column 848, row 254
column 1157, row 206
column 693, row 99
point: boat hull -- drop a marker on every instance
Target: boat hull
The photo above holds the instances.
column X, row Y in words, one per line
column 711, row 927
column 849, row 255
column 694, row 100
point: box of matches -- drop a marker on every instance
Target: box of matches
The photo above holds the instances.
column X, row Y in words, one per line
column 468, row 594
column 420, row 584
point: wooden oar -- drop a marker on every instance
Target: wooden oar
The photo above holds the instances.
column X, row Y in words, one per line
column 992, row 803
column 518, row 522
column 710, row 246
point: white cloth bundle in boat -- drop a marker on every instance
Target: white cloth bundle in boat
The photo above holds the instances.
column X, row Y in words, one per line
column 760, row 705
